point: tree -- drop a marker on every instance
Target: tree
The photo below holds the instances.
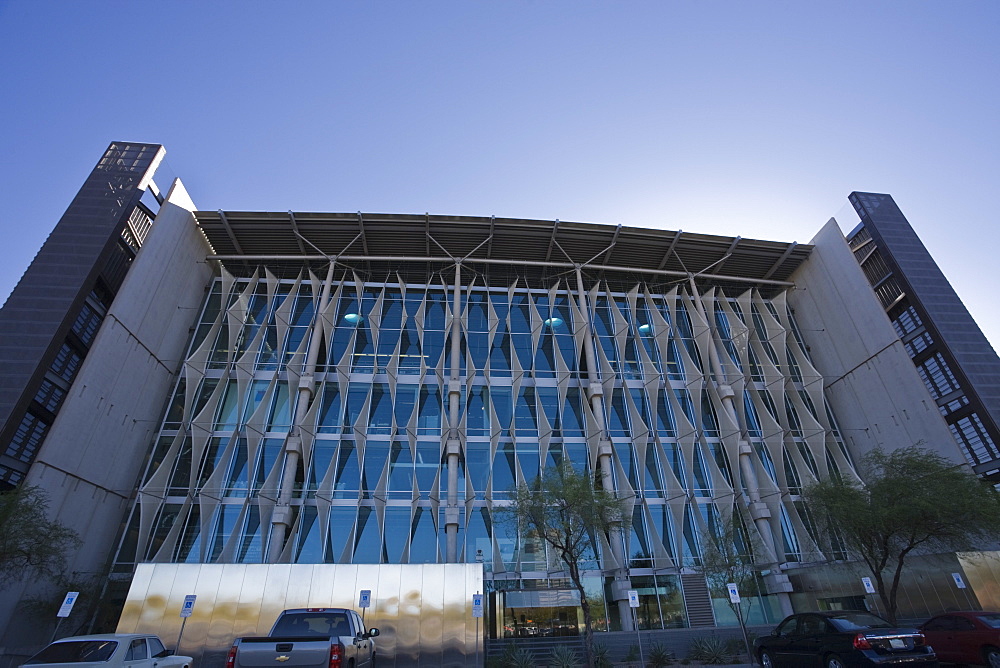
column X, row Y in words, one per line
column 567, row 509
column 728, row 557
column 30, row 543
column 913, row 500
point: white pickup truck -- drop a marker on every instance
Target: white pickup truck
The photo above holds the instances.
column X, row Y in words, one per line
column 308, row 638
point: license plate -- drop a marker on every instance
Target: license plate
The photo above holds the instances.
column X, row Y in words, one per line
column 897, row 643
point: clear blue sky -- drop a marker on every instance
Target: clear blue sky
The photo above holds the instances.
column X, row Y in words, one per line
column 739, row 118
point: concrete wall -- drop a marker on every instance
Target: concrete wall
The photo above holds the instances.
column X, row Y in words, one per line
column 423, row 611
column 90, row 462
column 872, row 386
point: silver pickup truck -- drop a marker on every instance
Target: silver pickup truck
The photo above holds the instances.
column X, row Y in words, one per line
column 309, row 638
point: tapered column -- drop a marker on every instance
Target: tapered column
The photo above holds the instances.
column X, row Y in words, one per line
column 453, row 444
column 281, row 518
column 758, row 510
column 595, row 393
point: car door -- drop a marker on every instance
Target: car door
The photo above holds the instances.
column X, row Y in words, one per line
column 966, row 640
column 777, row 645
column 361, row 641
column 804, row 644
column 137, row 654
column 939, row 633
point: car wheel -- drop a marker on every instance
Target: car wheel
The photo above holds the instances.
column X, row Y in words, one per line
column 991, row 657
column 766, row 660
column 834, row 661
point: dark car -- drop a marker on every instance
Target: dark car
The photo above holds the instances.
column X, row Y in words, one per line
column 965, row 637
column 842, row 638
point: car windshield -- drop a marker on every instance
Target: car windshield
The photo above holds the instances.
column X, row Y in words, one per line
column 857, row 621
column 317, row 624
column 993, row 621
column 75, row 651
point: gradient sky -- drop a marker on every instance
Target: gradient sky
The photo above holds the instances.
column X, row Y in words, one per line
column 754, row 119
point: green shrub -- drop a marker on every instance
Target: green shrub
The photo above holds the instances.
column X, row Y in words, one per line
column 563, row 657
column 658, row 656
column 633, row 654
column 710, row 649
column 602, row 657
column 512, row 657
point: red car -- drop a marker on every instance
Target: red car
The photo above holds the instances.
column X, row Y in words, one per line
column 965, row 637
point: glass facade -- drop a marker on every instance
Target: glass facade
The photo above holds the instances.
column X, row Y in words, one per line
column 349, row 403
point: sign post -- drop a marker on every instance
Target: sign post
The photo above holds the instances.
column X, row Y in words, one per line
column 65, row 609
column 477, row 612
column 734, row 599
column 364, row 602
column 186, row 609
column 633, row 603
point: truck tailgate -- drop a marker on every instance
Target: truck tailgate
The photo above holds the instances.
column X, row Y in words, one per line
column 302, row 652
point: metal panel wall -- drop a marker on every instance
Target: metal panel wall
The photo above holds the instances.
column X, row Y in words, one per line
column 424, row 611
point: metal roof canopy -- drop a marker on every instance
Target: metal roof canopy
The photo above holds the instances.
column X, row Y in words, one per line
column 260, row 235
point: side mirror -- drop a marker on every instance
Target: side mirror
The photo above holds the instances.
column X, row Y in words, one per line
column 774, row 632
column 372, row 632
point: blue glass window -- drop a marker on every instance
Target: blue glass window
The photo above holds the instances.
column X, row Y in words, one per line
column 434, row 312
column 653, row 480
column 406, row 400
column 573, row 422
column 500, row 395
column 548, row 399
column 500, row 354
column 342, row 520
column 226, row 517
column 280, row 418
column 329, row 412
column 503, row 469
column 478, row 537
column 387, row 340
column 477, row 461
column 617, row 414
column 640, row 554
column 237, row 481
column 250, row 547
column 709, row 420
column 348, row 479
column 376, row 454
column 642, row 405
column 525, row 421
column 702, row 478
column 310, row 547
column 665, row 423
column 426, row 465
column 684, row 399
column 322, row 457
column 433, row 344
column 673, row 454
column 477, row 318
column 478, row 346
column 380, row 410
column 397, row 530
column 429, row 420
column 664, row 527
column 477, row 421
column 409, row 350
column 423, row 543
column 400, row 470
column 226, row 419
column 367, row 540
column 268, row 458
column 392, row 310
column 528, row 458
